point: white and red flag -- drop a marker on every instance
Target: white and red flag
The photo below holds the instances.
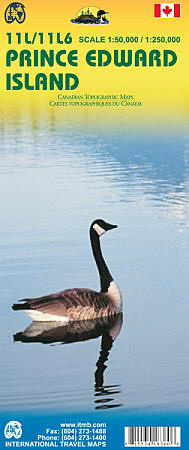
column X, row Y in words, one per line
column 167, row 10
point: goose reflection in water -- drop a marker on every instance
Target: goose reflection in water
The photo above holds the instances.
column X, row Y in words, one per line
column 78, row 331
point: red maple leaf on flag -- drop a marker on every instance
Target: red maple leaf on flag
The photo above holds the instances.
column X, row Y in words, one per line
column 167, row 10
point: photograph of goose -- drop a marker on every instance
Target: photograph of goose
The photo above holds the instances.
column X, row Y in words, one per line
column 82, row 203
column 79, row 304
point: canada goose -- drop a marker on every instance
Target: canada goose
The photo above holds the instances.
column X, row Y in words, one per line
column 79, row 304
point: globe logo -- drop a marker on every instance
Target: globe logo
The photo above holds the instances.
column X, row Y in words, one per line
column 13, row 429
column 15, row 11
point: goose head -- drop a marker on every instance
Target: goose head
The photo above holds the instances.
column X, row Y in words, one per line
column 100, row 226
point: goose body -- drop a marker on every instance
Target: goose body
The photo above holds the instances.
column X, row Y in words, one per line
column 79, row 304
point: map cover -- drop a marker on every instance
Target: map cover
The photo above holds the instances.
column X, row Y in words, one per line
column 94, row 183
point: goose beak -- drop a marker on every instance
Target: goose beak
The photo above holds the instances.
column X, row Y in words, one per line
column 110, row 227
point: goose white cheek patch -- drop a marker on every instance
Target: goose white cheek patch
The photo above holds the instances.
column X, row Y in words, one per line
column 98, row 229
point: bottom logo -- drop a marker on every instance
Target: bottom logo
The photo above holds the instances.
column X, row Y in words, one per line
column 13, row 429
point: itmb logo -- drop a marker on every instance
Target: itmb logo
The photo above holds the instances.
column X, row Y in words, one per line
column 15, row 11
column 13, row 429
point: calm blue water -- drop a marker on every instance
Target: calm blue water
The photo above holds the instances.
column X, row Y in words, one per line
column 55, row 178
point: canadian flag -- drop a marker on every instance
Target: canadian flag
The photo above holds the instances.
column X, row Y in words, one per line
column 167, row 10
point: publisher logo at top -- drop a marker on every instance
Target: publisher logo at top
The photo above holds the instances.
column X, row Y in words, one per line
column 90, row 15
column 167, row 10
column 15, row 11
column 13, row 429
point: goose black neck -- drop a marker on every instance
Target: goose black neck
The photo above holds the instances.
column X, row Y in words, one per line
column 105, row 275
